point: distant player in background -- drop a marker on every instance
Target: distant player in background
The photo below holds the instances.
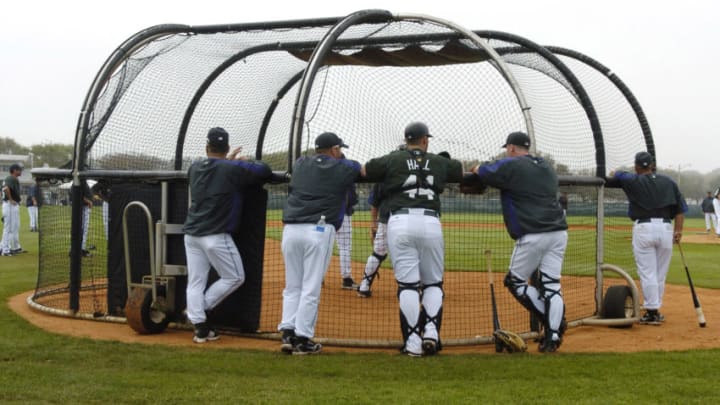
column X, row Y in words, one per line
column 10, row 244
column 379, row 215
column 563, row 200
column 216, row 201
column 344, row 239
column 716, row 206
column 32, row 203
column 654, row 201
column 708, row 208
column 87, row 212
column 102, row 193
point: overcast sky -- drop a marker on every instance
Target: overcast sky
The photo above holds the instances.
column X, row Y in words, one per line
column 665, row 51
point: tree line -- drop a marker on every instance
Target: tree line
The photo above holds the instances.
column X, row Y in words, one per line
column 693, row 184
column 53, row 155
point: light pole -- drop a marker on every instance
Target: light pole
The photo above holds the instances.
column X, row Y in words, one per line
column 680, row 167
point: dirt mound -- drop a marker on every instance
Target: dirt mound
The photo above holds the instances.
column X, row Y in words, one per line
column 679, row 332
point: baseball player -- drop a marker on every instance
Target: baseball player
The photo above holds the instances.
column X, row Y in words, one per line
column 535, row 220
column 87, row 212
column 10, row 244
column 32, row 203
column 716, row 206
column 708, row 208
column 216, row 201
column 101, row 192
column 413, row 180
column 379, row 214
column 314, row 211
column 655, row 201
column 344, row 239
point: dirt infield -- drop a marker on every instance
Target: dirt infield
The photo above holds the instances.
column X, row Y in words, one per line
column 343, row 314
column 679, row 332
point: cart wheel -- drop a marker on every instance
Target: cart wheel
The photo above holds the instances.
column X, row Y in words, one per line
column 141, row 316
column 618, row 303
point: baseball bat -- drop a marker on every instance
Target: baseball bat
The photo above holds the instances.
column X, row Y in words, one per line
column 496, row 319
column 696, row 301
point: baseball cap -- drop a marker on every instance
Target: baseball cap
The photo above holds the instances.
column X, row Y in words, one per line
column 328, row 140
column 218, row 137
column 416, row 130
column 15, row 166
column 643, row 159
column 518, row 139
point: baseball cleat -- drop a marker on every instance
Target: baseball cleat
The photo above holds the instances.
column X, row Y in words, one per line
column 287, row 341
column 349, row 284
column 652, row 317
column 430, row 347
column 549, row 346
column 364, row 294
column 203, row 333
column 306, row 346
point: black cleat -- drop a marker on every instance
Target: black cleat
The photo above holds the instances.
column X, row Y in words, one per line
column 430, row 347
column 349, row 284
column 306, row 346
column 364, row 294
column 203, row 333
column 549, row 346
column 287, row 341
column 652, row 317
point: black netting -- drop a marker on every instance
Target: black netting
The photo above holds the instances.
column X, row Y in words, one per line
column 152, row 116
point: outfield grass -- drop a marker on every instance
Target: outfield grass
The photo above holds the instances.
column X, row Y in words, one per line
column 40, row 367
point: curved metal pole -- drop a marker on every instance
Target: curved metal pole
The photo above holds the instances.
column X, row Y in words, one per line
column 582, row 95
column 315, row 62
column 499, row 64
column 271, row 110
column 210, row 79
column 614, row 79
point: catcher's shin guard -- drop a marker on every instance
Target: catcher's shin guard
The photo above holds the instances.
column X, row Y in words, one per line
column 519, row 289
column 408, row 295
column 372, row 267
column 432, row 310
column 554, row 319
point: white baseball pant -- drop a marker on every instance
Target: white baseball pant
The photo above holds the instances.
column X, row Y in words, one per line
column 417, row 250
column 381, row 248
column 306, row 249
column 710, row 220
column 11, row 227
column 545, row 252
column 220, row 252
column 33, row 216
column 344, row 244
column 652, row 247
column 86, row 226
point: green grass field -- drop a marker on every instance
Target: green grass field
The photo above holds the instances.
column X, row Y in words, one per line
column 40, row 367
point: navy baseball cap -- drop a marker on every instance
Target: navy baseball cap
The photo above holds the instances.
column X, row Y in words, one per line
column 416, row 130
column 218, row 137
column 643, row 159
column 517, row 139
column 328, row 140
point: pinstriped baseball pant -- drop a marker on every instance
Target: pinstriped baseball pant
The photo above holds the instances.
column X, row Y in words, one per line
column 220, row 252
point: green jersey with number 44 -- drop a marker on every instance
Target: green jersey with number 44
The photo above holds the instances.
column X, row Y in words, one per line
column 413, row 178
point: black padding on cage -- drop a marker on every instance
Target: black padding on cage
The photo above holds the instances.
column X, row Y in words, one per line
column 241, row 310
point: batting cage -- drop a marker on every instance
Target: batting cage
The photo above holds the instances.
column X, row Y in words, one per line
column 111, row 243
